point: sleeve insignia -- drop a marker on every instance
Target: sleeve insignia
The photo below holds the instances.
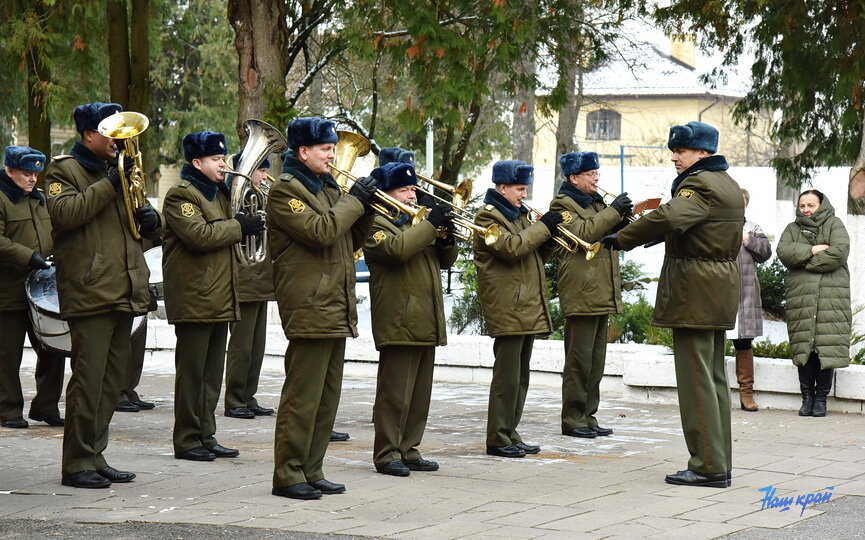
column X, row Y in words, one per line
column 686, row 193
column 54, row 189
column 296, row 206
column 187, row 209
column 379, row 236
column 567, row 217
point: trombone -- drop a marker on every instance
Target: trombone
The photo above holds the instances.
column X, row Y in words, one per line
column 384, row 203
column 569, row 241
column 464, row 220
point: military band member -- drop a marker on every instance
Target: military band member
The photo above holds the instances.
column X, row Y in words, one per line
column 512, row 293
column 702, row 229
column 200, row 279
column 246, row 344
column 314, row 230
column 408, row 319
column 589, row 291
column 102, row 284
column 25, row 242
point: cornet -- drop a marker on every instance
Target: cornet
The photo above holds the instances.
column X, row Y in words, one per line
column 384, row 204
column 569, row 241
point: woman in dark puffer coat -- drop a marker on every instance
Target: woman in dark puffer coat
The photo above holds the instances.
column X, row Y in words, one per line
column 815, row 248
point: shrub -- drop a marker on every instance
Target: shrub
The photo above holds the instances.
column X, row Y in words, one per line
column 773, row 286
column 767, row 349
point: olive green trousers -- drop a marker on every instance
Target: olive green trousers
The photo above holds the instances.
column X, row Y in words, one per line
column 585, row 356
column 508, row 388
column 704, row 398
column 245, row 355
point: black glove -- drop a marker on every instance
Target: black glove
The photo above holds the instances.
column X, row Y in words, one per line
column 623, row 204
column 38, row 262
column 551, row 220
column 249, row 225
column 147, row 217
column 114, row 172
column 611, row 241
column 425, row 199
column 363, row 189
column 440, row 216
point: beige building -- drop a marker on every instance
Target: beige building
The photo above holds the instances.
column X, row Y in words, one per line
column 631, row 103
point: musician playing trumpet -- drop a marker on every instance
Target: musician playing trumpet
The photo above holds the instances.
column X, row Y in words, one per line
column 512, row 287
column 314, row 230
column 100, row 289
column 589, row 290
column 408, row 319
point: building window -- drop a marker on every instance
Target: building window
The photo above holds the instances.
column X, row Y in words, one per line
column 603, row 125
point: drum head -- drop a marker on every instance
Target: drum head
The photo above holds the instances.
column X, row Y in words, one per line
column 153, row 258
column 41, row 288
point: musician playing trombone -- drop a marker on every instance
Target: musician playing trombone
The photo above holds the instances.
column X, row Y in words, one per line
column 200, row 279
column 589, row 290
column 512, row 287
column 100, row 289
column 408, row 319
column 314, row 230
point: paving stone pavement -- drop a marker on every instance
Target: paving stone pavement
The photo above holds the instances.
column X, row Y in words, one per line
column 610, row 487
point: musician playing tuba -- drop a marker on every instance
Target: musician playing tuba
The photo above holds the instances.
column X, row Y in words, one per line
column 102, row 284
column 589, row 290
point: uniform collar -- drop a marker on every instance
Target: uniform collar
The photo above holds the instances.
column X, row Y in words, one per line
column 15, row 193
column 508, row 210
column 712, row 163
column 205, row 185
column 311, row 181
column 87, row 158
column 578, row 195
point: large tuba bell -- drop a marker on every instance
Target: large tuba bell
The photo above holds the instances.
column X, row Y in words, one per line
column 263, row 139
column 126, row 127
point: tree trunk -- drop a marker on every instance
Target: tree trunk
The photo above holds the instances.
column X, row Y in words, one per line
column 38, row 121
column 523, row 129
column 139, row 90
column 856, row 229
column 260, row 40
column 118, row 51
column 567, row 125
column 452, row 162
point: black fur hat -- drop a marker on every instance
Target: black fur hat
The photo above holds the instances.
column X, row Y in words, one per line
column 394, row 175
column 512, row 171
column 24, row 158
column 88, row 116
column 393, row 153
column 694, row 135
column 203, row 143
column 579, row 162
column 309, row 131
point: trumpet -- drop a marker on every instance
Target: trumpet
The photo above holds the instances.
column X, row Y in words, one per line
column 609, row 198
column 126, row 127
column 569, row 241
column 465, row 220
column 460, row 194
column 385, row 204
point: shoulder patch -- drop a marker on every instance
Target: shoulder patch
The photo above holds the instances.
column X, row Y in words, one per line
column 187, row 210
column 296, row 206
column 567, row 217
column 379, row 237
column 686, row 193
column 61, row 157
column 54, row 189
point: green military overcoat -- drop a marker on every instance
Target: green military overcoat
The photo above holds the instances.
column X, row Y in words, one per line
column 313, row 232
column 511, row 280
column 702, row 229
column 587, row 288
column 198, row 267
column 405, row 264
column 100, row 266
column 25, row 229
column 818, row 288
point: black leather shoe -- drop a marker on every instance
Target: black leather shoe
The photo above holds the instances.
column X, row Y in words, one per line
column 302, row 491
column 602, row 431
column 528, row 448
column 328, row 488
column 336, row 436
column 196, row 454
column 584, row 432
column 144, row 405
column 17, row 422
column 394, row 468
column 239, row 412
column 423, row 465
column 116, row 477
column 220, row 451
column 510, row 450
column 260, row 411
column 126, row 406
column 85, row 479
column 692, row 478
column 52, row 420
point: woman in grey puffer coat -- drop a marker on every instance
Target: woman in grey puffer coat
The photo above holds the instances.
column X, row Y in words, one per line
column 815, row 248
column 749, row 319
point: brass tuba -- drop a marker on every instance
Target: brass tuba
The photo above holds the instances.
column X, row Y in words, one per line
column 263, row 140
column 127, row 126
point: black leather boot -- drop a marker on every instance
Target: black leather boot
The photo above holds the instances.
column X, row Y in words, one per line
column 806, row 386
column 824, row 386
